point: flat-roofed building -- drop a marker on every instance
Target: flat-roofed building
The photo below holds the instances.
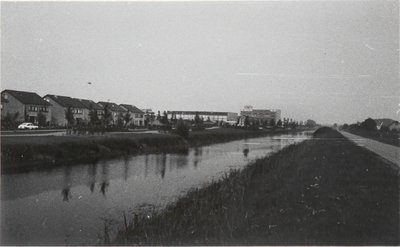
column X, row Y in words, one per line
column 205, row 115
column 261, row 115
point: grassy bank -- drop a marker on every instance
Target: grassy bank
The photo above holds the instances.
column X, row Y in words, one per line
column 22, row 153
column 388, row 137
column 325, row 191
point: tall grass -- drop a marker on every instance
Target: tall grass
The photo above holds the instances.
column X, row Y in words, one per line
column 325, row 191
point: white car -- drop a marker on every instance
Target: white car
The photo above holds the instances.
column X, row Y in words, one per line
column 27, row 126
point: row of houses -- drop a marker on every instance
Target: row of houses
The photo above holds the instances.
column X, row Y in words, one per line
column 29, row 106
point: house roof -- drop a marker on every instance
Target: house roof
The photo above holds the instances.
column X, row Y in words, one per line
column 112, row 106
column 384, row 121
column 26, row 97
column 65, row 101
column 90, row 104
column 395, row 123
column 132, row 108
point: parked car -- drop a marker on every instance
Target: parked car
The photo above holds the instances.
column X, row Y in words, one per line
column 27, row 126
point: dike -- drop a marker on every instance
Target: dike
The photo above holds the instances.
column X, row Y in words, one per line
column 323, row 191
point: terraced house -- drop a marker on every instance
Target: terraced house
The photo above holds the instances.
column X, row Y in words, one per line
column 29, row 106
column 60, row 104
column 115, row 110
column 90, row 105
column 138, row 116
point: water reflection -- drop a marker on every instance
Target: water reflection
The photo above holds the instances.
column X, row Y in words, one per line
column 126, row 168
column 198, row 152
column 129, row 181
column 66, row 192
column 164, row 165
column 178, row 161
column 104, row 178
column 92, row 171
column 146, row 164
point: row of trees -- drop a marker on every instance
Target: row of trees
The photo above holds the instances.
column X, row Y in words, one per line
column 285, row 124
column 11, row 121
column 368, row 124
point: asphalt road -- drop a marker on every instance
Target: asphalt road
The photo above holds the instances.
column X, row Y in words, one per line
column 389, row 152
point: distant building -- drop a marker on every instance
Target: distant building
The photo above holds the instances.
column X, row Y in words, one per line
column 90, row 105
column 137, row 115
column 395, row 126
column 205, row 115
column 115, row 110
column 149, row 115
column 29, row 105
column 260, row 115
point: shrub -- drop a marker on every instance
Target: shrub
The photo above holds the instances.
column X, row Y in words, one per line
column 182, row 129
column 322, row 131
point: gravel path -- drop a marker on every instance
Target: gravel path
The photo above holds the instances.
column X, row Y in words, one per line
column 389, row 152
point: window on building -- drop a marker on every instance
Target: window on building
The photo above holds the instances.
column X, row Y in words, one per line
column 33, row 108
column 77, row 111
column 44, row 109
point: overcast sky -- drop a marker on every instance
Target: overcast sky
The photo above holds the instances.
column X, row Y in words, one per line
column 333, row 62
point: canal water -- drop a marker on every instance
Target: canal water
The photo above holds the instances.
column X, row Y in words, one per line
column 71, row 205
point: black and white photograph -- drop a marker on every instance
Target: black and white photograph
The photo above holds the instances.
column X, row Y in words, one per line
column 200, row 123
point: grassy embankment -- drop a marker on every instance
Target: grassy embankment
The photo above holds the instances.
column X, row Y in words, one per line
column 387, row 137
column 31, row 152
column 324, row 191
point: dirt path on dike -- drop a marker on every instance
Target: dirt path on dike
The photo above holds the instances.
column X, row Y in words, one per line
column 389, row 152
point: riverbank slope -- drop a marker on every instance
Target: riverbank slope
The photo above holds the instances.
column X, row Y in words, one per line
column 324, row 191
column 24, row 153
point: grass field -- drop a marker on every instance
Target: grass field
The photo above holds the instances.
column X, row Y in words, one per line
column 324, row 191
column 388, row 137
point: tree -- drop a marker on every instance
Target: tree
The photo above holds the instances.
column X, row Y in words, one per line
column 197, row 118
column 42, row 119
column 272, row 123
column 369, row 124
column 106, row 115
column 198, row 122
column 164, row 118
column 127, row 118
column 279, row 123
column 11, row 120
column 93, row 115
column 69, row 115
column 120, row 119
column 285, row 124
column 310, row 123
column 293, row 125
column 182, row 129
column 246, row 121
